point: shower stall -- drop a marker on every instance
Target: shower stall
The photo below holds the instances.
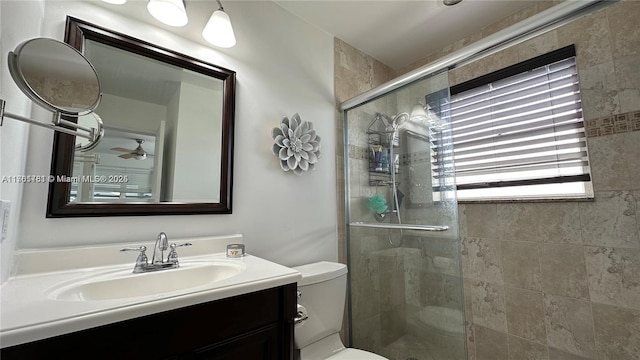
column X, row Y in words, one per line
column 402, row 226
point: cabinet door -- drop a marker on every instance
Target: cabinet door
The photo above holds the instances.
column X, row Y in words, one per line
column 258, row 345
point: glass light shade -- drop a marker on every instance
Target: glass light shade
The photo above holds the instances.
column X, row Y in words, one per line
column 170, row 12
column 140, row 156
column 218, row 30
column 116, row 2
column 418, row 114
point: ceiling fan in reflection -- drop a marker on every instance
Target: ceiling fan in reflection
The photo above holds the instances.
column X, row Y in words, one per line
column 137, row 153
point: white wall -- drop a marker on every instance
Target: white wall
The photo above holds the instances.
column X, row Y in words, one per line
column 195, row 145
column 283, row 66
column 130, row 114
column 170, row 135
column 18, row 21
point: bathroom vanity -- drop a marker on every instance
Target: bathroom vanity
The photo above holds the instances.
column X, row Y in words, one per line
column 251, row 326
column 244, row 309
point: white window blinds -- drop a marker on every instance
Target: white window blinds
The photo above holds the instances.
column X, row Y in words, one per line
column 517, row 127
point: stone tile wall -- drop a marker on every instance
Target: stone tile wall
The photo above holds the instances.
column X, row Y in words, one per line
column 561, row 280
column 554, row 280
column 355, row 72
column 550, row 280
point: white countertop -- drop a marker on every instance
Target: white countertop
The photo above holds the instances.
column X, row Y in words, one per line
column 30, row 312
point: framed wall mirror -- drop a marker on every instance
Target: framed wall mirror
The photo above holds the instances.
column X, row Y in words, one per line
column 168, row 133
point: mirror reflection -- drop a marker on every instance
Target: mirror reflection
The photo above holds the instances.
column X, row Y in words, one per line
column 158, row 144
column 55, row 76
column 168, row 133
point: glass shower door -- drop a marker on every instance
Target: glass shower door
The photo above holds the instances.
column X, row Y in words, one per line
column 405, row 280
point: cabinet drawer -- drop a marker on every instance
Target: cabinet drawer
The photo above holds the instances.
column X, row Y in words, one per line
column 258, row 345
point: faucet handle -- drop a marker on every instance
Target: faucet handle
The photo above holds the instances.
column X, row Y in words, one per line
column 173, row 255
column 142, row 259
column 139, row 248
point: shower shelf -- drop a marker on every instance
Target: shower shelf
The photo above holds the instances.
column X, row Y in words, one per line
column 379, row 133
column 401, row 226
column 380, row 177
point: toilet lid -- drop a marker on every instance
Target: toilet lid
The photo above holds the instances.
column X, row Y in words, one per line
column 354, row 354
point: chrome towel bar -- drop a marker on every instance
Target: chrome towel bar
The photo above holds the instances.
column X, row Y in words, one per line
column 401, row 226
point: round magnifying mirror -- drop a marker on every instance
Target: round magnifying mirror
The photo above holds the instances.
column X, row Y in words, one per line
column 55, row 76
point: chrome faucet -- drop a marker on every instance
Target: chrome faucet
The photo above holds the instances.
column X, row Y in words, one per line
column 162, row 243
column 157, row 262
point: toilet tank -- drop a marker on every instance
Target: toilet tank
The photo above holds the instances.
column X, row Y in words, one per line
column 323, row 288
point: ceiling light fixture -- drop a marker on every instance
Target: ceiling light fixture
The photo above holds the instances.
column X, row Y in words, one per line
column 170, row 12
column 116, row 2
column 218, row 30
column 451, row 2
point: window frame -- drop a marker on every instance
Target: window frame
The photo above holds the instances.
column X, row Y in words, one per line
column 505, row 73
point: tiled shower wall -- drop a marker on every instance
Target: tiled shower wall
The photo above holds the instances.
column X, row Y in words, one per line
column 355, row 72
column 554, row 280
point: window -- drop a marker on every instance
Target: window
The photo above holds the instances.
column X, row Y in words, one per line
column 517, row 133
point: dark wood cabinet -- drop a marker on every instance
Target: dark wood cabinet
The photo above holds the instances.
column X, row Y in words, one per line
column 254, row 326
column 260, row 344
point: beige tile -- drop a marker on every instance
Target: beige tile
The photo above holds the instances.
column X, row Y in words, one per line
column 590, row 34
column 467, row 288
column 521, row 349
column 617, row 332
column 628, row 77
column 623, row 23
column 636, row 195
column 481, row 220
column 488, row 305
column 460, row 75
column 539, row 222
column 614, row 275
column 365, row 299
column 381, row 73
column 539, row 45
column 632, row 154
column 563, row 270
column 366, row 333
column 392, row 290
column 471, row 341
column 608, row 160
column 490, row 344
column 555, row 354
column 521, row 264
column 462, row 221
column 481, row 260
column 569, row 324
column 393, row 325
column 610, row 220
column 439, row 290
column 525, row 314
column 599, row 91
column 491, row 63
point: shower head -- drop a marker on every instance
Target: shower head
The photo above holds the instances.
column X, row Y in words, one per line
column 399, row 120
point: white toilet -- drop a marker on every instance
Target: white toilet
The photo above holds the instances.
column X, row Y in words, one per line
column 322, row 296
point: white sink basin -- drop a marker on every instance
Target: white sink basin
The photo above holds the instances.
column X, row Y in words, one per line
column 123, row 284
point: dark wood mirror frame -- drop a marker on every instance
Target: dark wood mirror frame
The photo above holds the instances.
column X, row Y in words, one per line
column 76, row 32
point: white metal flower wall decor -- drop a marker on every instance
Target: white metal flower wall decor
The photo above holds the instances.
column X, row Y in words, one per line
column 296, row 144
